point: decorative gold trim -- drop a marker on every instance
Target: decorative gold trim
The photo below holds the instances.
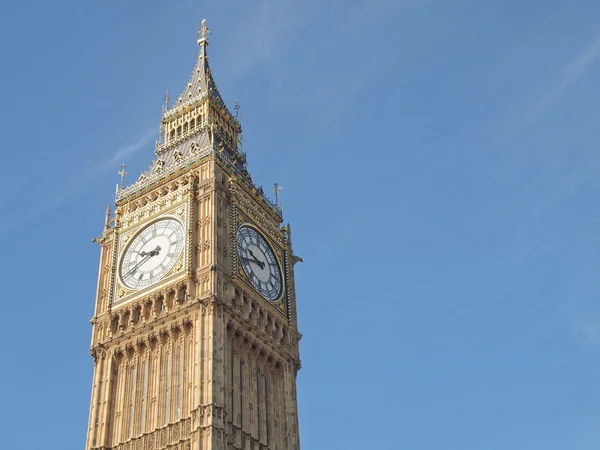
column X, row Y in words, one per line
column 176, row 211
column 158, row 212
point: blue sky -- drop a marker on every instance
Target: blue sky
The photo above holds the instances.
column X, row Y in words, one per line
column 440, row 164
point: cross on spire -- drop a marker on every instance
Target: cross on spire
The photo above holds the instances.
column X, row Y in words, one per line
column 122, row 173
column 202, row 32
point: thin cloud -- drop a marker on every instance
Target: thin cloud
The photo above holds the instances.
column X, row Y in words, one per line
column 571, row 73
column 555, row 182
column 123, row 154
column 77, row 186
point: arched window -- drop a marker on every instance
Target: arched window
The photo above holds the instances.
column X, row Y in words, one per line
column 144, row 393
column 179, row 381
column 167, row 386
column 132, row 401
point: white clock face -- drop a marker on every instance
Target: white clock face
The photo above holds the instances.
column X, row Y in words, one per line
column 152, row 253
column 259, row 263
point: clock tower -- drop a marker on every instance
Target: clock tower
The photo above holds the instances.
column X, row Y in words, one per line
column 194, row 333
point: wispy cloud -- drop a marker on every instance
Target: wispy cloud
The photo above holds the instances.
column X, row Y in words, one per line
column 77, row 185
column 542, row 182
column 556, row 178
column 570, row 74
column 122, row 154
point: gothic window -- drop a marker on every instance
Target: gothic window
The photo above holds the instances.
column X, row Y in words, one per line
column 232, row 386
column 266, row 408
column 193, row 123
column 132, row 401
column 114, row 325
column 144, row 389
column 258, row 402
column 137, row 313
column 179, row 382
column 170, row 299
column 168, row 385
column 185, row 127
column 240, row 394
column 172, row 134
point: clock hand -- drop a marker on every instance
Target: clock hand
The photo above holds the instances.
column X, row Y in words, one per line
column 144, row 259
column 151, row 253
column 260, row 263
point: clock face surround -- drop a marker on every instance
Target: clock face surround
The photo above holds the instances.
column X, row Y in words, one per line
column 259, row 263
column 152, row 253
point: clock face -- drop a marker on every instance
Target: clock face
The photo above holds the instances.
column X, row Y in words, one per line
column 152, row 253
column 259, row 263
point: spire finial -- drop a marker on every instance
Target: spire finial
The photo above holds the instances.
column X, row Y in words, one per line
column 277, row 189
column 107, row 218
column 237, row 108
column 166, row 105
column 122, row 173
column 202, row 32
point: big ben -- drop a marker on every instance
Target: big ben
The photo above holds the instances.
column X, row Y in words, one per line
column 194, row 333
